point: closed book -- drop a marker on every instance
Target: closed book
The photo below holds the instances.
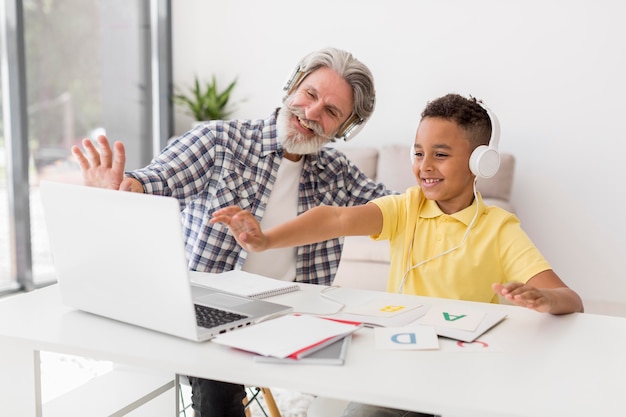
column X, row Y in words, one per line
column 292, row 335
column 332, row 354
column 309, row 350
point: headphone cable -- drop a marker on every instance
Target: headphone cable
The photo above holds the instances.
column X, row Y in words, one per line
column 469, row 226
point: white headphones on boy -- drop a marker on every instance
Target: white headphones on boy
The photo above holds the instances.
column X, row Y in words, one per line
column 348, row 129
column 484, row 161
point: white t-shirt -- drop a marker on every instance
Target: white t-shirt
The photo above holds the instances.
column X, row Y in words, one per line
column 282, row 206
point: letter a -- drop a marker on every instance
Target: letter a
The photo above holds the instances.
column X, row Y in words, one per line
column 451, row 317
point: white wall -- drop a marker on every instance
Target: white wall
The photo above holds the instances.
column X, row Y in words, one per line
column 553, row 71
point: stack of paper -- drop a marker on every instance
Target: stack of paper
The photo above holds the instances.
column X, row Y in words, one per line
column 292, row 335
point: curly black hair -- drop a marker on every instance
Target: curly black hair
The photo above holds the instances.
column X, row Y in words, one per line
column 468, row 114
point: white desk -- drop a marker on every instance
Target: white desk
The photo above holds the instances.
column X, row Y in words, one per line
column 544, row 365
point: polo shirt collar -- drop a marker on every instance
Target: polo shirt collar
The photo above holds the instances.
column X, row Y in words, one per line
column 465, row 216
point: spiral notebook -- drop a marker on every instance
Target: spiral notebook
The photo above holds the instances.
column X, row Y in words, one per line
column 244, row 283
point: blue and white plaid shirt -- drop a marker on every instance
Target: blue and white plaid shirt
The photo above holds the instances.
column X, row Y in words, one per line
column 223, row 163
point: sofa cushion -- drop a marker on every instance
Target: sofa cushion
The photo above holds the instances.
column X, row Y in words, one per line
column 395, row 169
column 366, row 158
column 500, row 203
column 363, row 275
column 363, row 248
column 499, row 186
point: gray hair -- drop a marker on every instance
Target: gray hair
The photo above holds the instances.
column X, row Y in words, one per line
column 356, row 74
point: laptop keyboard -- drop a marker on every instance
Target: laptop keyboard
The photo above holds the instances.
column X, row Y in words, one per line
column 211, row 317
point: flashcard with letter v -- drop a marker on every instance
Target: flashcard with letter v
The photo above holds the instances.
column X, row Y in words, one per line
column 459, row 318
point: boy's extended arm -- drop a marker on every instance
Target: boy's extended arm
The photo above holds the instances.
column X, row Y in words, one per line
column 545, row 292
column 316, row 225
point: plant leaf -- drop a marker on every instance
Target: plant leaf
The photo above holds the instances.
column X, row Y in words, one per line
column 205, row 102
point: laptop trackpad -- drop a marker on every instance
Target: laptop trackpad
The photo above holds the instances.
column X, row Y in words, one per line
column 222, row 300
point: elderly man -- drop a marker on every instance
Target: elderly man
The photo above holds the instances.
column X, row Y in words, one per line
column 276, row 168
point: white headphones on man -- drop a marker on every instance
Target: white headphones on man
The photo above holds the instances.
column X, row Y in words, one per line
column 484, row 161
column 348, row 129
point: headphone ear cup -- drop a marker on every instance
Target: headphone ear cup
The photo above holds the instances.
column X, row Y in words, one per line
column 294, row 80
column 484, row 161
column 350, row 128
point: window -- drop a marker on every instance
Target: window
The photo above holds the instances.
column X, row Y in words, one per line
column 88, row 71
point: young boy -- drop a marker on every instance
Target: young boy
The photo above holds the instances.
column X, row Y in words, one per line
column 444, row 241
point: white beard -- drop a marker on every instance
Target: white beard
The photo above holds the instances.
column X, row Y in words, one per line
column 292, row 140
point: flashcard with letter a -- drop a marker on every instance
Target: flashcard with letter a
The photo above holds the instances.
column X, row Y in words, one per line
column 452, row 317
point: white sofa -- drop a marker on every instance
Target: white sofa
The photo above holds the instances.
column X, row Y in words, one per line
column 364, row 262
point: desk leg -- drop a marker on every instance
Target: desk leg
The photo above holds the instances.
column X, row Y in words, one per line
column 177, row 393
column 20, row 380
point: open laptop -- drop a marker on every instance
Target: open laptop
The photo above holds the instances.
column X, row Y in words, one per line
column 121, row 255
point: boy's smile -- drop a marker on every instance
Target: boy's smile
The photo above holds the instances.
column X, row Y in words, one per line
column 441, row 165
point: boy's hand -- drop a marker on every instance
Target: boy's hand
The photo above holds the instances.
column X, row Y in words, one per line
column 244, row 227
column 525, row 295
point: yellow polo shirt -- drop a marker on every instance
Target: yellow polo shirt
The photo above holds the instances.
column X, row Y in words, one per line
column 495, row 250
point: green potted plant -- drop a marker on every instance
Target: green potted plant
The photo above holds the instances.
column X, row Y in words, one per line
column 204, row 101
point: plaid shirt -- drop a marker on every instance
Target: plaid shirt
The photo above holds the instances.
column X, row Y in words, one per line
column 223, row 163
